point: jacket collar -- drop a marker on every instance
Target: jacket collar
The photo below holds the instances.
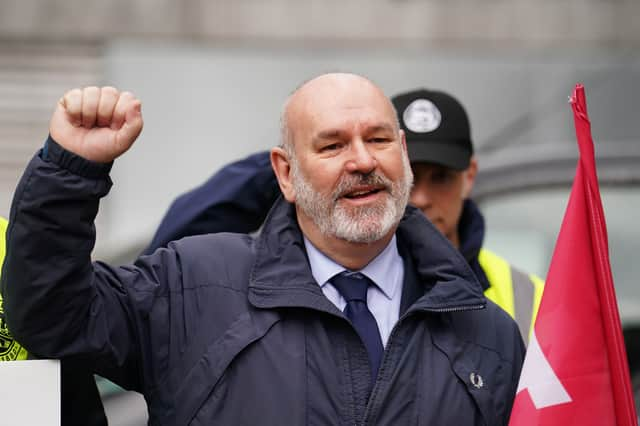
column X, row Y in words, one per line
column 471, row 232
column 281, row 276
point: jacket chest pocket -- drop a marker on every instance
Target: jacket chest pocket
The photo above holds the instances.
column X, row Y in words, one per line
column 481, row 383
column 464, row 382
column 451, row 392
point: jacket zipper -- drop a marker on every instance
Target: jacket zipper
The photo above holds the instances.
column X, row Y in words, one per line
column 373, row 398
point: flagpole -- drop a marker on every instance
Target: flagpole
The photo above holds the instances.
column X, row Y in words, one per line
column 616, row 351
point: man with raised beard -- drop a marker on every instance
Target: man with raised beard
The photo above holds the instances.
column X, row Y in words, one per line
column 348, row 308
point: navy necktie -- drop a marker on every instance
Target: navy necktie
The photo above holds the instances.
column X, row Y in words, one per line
column 353, row 288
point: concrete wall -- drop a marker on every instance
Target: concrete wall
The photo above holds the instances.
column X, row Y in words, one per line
column 433, row 22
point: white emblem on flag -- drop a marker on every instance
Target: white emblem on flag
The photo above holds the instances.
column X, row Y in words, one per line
column 539, row 378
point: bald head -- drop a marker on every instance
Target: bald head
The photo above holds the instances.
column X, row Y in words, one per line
column 330, row 92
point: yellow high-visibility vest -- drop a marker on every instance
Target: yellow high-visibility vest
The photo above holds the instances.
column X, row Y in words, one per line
column 3, row 242
column 10, row 350
column 514, row 291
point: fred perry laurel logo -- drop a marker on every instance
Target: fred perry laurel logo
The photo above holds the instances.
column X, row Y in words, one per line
column 476, row 380
column 422, row 116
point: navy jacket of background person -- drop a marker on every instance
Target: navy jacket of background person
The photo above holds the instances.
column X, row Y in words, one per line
column 232, row 329
column 236, row 199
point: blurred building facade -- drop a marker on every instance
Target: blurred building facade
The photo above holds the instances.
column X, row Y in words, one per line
column 529, row 22
column 212, row 76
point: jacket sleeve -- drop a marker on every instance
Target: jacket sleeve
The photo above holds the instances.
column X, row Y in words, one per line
column 58, row 303
column 235, row 199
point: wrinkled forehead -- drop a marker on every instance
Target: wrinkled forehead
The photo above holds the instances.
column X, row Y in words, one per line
column 348, row 103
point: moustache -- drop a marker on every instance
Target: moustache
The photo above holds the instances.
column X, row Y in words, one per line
column 350, row 182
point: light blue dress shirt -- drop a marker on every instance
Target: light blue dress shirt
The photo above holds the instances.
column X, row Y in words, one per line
column 386, row 270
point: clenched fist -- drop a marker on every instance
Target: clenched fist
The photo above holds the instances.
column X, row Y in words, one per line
column 98, row 124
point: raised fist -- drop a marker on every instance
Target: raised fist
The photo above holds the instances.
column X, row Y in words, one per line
column 98, row 124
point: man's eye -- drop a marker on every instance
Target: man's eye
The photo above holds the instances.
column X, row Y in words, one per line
column 379, row 140
column 330, row 147
column 441, row 176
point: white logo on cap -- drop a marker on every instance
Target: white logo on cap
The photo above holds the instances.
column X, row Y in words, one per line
column 422, row 116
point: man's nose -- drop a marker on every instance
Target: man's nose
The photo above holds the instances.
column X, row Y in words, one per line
column 361, row 159
column 420, row 197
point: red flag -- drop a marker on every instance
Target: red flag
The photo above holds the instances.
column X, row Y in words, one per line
column 575, row 371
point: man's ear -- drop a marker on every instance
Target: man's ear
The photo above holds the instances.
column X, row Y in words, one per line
column 282, row 168
column 470, row 177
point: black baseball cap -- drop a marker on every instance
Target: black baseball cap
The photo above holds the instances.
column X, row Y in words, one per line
column 436, row 127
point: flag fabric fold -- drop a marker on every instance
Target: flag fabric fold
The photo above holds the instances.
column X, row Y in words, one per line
column 576, row 371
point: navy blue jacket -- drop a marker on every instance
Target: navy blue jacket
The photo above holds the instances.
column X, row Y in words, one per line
column 232, row 329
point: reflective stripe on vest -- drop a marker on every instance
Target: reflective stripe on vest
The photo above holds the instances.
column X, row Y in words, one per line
column 514, row 291
column 523, row 292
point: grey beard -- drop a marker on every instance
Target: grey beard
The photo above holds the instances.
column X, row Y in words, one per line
column 364, row 224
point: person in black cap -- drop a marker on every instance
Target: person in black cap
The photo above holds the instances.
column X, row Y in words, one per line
column 440, row 149
column 439, row 145
column 438, row 136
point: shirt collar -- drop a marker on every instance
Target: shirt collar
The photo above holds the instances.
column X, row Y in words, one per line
column 385, row 270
